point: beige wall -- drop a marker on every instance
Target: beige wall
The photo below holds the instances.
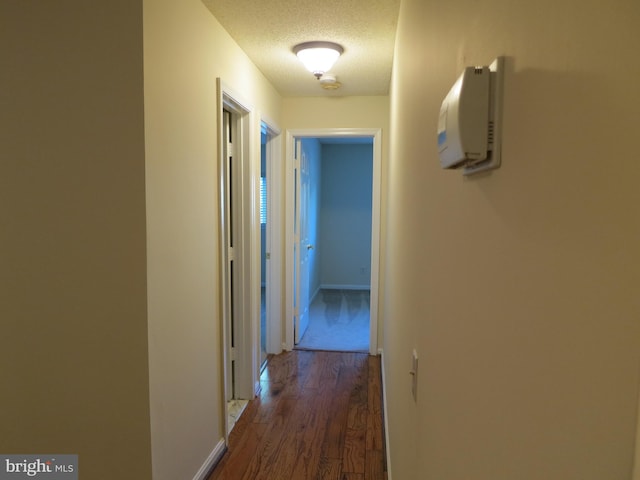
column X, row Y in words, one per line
column 73, row 341
column 517, row 288
column 336, row 112
column 185, row 51
column 345, row 112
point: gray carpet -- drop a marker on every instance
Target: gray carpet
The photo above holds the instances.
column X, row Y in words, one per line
column 338, row 320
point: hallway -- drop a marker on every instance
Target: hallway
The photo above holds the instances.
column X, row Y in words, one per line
column 318, row 416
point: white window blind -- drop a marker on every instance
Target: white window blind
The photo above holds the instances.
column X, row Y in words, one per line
column 263, row 200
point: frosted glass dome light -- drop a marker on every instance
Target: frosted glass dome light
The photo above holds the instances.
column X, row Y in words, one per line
column 318, row 57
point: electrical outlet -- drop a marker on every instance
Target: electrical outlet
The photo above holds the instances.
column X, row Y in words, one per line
column 414, row 375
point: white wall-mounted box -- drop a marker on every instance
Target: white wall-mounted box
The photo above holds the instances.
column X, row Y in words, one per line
column 469, row 125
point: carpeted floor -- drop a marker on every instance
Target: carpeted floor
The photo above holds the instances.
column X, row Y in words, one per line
column 338, row 320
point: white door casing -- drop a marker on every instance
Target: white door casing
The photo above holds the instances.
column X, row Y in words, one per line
column 290, row 205
column 275, row 199
column 237, row 238
column 230, row 288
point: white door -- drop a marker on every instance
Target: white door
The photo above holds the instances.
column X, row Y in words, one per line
column 302, row 247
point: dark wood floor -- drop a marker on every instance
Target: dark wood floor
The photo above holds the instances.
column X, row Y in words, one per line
column 318, row 416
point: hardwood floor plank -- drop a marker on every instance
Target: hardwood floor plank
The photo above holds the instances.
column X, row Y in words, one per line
column 374, row 465
column 237, row 460
column 353, row 459
column 374, row 437
column 355, row 436
column 310, row 445
column 374, row 383
column 314, row 418
column 261, row 460
column 267, row 401
column 374, row 414
column 334, row 439
column 293, row 445
column 314, row 379
column 329, row 469
column 331, row 370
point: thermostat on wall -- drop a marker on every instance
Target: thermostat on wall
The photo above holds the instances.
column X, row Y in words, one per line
column 469, row 126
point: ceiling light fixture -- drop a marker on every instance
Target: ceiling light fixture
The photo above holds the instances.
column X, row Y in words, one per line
column 318, row 57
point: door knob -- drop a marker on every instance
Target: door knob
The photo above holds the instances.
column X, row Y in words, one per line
column 309, row 247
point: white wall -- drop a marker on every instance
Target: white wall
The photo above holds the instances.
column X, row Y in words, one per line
column 345, row 215
column 186, row 49
column 73, row 341
column 517, row 288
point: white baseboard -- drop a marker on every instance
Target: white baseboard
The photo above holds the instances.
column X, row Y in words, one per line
column 213, row 458
column 331, row 286
column 386, row 416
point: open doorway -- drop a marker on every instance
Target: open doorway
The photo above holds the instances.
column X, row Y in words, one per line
column 250, row 202
column 333, row 183
column 236, row 222
column 270, row 240
column 264, row 248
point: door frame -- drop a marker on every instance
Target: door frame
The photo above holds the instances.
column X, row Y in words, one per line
column 274, row 237
column 291, row 136
column 244, row 355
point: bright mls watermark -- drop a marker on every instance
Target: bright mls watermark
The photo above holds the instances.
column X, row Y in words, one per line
column 49, row 467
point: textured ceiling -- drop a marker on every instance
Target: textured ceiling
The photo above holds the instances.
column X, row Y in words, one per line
column 267, row 31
